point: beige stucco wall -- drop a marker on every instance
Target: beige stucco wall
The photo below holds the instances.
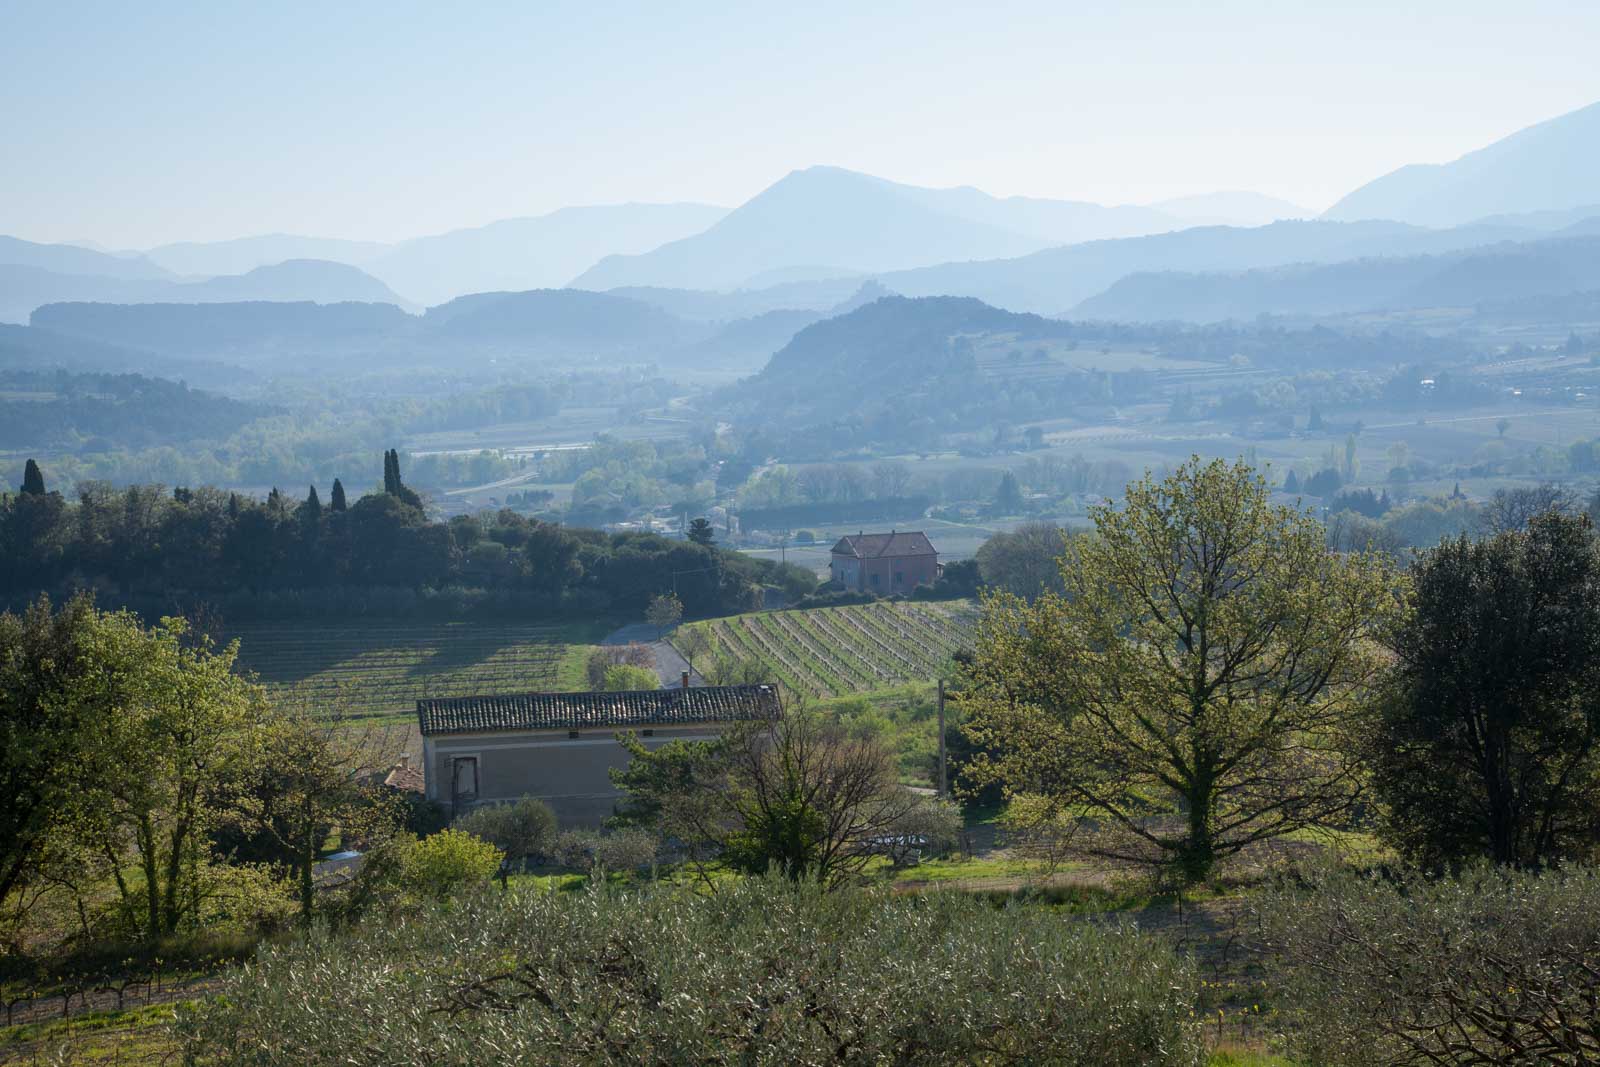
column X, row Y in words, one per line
column 569, row 774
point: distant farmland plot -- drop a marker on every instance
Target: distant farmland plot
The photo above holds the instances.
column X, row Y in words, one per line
column 381, row 671
column 824, row 652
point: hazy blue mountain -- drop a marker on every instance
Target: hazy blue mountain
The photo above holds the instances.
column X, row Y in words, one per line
column 1546, row 167
column 1500, row 272
column 22, row 289
column 75, row 259
column 862, row 224
column 515, row 255
column 1053, row 280
column 243, row 254
column 1232, row 207
column 560, row 320
column 226, row 329
column 31, row 348
column 297, row 279
column 746, row 344
column 708, row 306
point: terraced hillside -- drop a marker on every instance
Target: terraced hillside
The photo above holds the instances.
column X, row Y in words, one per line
column 381, row 671
column 825, row 652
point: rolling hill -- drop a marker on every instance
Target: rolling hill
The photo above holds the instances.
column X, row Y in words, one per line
column 1053, row 280
column 1506, row 271
column 241, row 254
column 846, row 222
column 1546, row 167
column 24, row 288
column 533, row 253
column 75, row 259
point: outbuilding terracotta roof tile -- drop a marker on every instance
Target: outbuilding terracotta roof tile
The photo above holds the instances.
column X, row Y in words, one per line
column 894, row 544
column 578, row 711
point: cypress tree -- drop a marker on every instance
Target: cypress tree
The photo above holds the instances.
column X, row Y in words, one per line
column 336, row 499
column 391, row 472
column 233, row 505
column 313, row 506
column 32, row 479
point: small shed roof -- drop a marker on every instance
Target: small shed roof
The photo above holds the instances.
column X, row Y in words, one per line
column 575, row 711
column 894, row 544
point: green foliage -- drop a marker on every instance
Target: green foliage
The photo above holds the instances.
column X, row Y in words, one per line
column 522, row 830
column 627, row 848
column 1023, row 561
column 206, row 545
column 701, row 532
column 805, row 796
column 1193, row 690
column 32, row 479
column 1494, row 967
column 1490, row 743
column 761, row 972
column 622, row 678
column 445, row 863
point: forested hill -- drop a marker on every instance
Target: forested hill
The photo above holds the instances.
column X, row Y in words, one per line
column 161, row 550
column 894, row 340
column 105, row 412
column 222, row 327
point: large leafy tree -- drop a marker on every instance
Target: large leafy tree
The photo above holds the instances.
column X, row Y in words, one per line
column 174, row 730
column 1488, row 746
column 1193, row 691
column 44, row 663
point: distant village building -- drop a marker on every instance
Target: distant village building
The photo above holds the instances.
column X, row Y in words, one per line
column 558, row 747
column 886, row 563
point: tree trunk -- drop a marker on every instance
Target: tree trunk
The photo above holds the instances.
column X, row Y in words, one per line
column 308, row 855
column 1198, row 854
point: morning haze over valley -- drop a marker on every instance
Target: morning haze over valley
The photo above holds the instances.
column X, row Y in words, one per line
column 610, row 534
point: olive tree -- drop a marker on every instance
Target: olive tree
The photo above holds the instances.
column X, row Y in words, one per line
column 1494, row 967
column 1194, row 690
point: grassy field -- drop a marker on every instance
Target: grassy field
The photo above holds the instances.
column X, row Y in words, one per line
column 831, row 652
column 378, row 672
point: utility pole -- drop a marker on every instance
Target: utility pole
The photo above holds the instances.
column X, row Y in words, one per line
column 944, row 783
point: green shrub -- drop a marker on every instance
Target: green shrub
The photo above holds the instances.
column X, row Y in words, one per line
column 441, row 865
column 624, row 678
column 1496, row 966
column 522, row 829
column 626, row 849
column 761, row 972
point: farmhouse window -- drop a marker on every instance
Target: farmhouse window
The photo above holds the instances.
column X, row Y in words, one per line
column 572, row 735
column 899, row 576
column 874, row 579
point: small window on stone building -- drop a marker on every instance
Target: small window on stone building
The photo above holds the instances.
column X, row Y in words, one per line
column 899, row 576
column 649, row 733
column 572, row 735
column 874, row 579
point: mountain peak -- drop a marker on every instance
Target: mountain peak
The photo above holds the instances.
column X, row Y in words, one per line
column 1547, row 166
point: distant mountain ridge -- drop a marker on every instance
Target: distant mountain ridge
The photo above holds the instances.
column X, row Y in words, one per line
column 859, row 223
column 1549, row 166
column 26, row 288
column 1056, row 279
column 1502, row 272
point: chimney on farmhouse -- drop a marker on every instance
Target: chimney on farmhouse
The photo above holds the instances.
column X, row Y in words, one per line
column 686, row 679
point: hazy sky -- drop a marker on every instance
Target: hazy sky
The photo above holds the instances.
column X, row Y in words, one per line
column 132, row 124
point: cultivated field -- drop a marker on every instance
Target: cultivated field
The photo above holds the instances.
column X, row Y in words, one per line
column 825, row 652
column 380, row 671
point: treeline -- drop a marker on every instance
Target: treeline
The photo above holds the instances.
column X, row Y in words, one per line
column 156, row 549
column 57, row 409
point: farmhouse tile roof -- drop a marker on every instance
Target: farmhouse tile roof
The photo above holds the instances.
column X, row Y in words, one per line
column 575, row 711
column 894, row 544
